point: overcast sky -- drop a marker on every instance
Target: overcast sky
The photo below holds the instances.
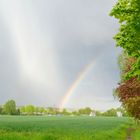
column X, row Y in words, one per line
column 45, row 44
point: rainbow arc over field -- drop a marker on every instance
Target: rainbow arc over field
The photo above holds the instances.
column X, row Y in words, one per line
column 81, row 76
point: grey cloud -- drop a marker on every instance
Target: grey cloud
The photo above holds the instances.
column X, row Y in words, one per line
column 59, row 38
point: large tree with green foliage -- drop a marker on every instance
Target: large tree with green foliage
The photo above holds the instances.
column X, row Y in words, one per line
column 10, row 107
column 128, row 38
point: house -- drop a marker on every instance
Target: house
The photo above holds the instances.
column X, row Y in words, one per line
column 92, row 114
column 119, row 114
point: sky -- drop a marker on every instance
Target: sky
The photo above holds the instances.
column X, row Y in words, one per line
column 52, row 48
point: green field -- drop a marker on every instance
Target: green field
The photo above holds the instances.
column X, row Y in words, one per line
column 62, row 128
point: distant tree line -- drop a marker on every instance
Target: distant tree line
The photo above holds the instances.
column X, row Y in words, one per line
column 10, row 108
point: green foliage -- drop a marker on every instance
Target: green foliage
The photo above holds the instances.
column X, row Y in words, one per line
column 85, row 111
column 22, row 109
column 32, row 110
column 76, row 113
column 98, row 113
column 110, row 112
column 122, row 58
column 123, row 111
column 1, row 110
column 65, row 112
column 128, row 37
column 29, row 109
column 40, row 110
column 52, row 111
column 10, row 107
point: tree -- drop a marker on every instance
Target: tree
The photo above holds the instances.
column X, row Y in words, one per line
column 10, row 107
column 85, row 111
column 65, row 112
column 52, row 111
column 40, row 110
column 129, row 95
column 128, row 90
column 98, row 113
column 125, row 63
column 22, row 110
column 110, row 112
column 128, row 38
column 30, row 109
column 123, row 111
column 1, row 110
column 76, row 113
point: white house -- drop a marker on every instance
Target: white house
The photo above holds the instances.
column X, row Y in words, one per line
column 119, row 114
column 92, row 114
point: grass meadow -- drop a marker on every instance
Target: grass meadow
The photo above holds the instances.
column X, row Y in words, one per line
column 62, row 128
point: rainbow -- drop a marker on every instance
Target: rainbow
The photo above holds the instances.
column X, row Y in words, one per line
column 83, row 73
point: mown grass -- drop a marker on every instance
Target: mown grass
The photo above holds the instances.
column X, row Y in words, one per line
column 62, row 128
